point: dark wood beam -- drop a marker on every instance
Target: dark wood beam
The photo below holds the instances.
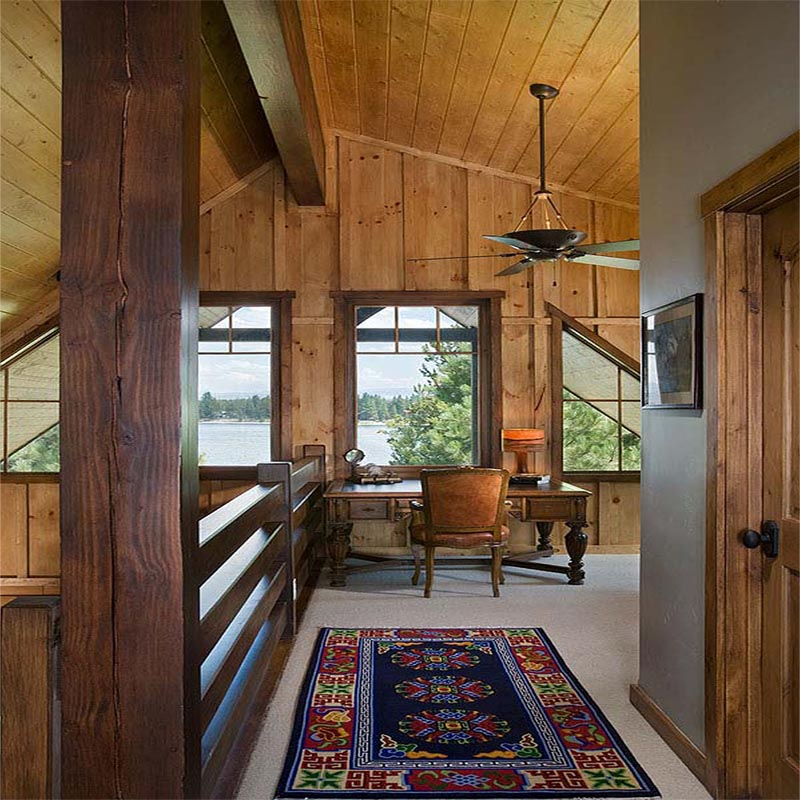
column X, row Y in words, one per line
column 129, row 244
column 228, row 97
column 271, row 37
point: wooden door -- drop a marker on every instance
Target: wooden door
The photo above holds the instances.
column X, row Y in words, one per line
column 781, row 501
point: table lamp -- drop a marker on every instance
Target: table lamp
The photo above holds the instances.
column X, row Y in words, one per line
column 522, row 441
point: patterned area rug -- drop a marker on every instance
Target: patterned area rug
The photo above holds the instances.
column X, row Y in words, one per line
column 451, row 713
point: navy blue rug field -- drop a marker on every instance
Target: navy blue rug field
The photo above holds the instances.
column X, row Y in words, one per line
column 451, row 713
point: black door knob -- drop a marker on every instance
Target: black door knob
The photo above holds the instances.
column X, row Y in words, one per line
column 767, row 538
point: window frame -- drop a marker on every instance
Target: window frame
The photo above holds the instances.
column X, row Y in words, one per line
column 280, row 304
column 25, row 345
column 559, row 322
column 489, row 367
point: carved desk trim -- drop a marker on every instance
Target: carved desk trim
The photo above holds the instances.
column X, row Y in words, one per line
column 544, row 505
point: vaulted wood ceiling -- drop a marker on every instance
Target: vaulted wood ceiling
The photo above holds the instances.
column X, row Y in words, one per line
column 445, row 76
column 235, row 138
column 451, row 77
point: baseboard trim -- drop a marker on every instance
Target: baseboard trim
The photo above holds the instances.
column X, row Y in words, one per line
column 680, row 744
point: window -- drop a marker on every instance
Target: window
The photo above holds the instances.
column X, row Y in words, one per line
column 419, row 380
column 599, row 405
column 30, row 407
column 239, row 419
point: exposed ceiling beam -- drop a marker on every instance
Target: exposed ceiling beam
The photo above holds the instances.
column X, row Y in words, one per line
column 271, row 38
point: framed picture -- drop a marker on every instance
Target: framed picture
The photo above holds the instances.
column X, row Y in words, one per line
column 672, row 355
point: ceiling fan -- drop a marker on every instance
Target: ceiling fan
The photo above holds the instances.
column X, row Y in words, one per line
column 551, row 244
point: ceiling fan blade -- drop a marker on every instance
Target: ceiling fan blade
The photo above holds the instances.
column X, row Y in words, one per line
column 517, row 244
column 520, row 266
column 610, row 247
column 463, row 258
column 608, row 261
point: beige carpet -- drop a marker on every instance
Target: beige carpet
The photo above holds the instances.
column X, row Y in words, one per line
column 595, row 627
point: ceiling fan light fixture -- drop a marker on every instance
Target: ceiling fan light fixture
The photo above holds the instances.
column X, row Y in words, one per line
column 549, row 239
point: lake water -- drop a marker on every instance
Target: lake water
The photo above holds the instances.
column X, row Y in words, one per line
column 230, row 443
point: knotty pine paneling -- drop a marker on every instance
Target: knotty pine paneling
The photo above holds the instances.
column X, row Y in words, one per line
column 393, row 206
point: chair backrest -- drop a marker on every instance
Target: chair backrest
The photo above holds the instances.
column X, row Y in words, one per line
column 464, row 500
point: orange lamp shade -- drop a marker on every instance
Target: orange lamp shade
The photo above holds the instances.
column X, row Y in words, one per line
column 522, row 441
column 523, row 438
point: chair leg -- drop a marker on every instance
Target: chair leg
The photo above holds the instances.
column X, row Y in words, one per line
column 429, row 551
column 503, row 551
column 415, row 548
column 496, row 570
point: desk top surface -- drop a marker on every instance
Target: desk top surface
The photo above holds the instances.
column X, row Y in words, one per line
column 411, row 487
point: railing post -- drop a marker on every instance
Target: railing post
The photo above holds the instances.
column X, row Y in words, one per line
column 30, row 704
column 281, row 472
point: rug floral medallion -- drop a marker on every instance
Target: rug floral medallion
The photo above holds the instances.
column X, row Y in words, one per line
column 451, row 713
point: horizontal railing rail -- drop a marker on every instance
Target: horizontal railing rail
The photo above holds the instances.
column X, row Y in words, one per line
column 256, row 563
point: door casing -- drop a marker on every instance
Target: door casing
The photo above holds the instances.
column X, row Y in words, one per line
column 733, row 592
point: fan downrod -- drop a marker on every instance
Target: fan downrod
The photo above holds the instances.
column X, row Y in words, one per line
column 543, row 91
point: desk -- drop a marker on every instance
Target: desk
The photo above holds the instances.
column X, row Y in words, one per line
column 544, row 504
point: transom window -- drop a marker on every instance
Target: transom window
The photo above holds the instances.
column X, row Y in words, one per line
column 236, row 382
column 29, row 411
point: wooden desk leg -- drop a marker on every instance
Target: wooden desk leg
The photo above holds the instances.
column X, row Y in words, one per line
column 576, row 541
column 544, row 529
column 338, row 545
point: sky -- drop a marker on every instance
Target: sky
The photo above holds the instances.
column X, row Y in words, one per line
column 243, row 374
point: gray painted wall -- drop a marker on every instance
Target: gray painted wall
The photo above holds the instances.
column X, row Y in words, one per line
column 719, row 86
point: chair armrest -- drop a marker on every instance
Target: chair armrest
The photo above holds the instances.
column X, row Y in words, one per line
column 416, row 505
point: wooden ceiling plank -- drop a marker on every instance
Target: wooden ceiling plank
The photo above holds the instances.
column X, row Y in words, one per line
column 619, row 174
column 213, row 157
column 338, row 39
column 16, row 260
column 21, row 170
column 52, row 9
column 408, row 21
column 26, row 208
column 23, row 237
column 481, row 46
column 510, row 77
column 312, row 34
column 617, row 93
column 29, row 86
column 24, row 131
column 23, row 286
column 209, row 185
column 222, row 47
column 609, row 42
column 34, row 33
column 614, row 142
column 371, row 24
column 446, row 24
column 569, row 32
column 630, row 191
column 223, row 119
column 17, row 332
column 271, row 37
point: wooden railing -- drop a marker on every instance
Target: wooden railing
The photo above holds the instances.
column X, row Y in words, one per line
column 256, row 564
column 29, row 700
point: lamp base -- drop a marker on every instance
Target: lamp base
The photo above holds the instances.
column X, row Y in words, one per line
column 528, row 479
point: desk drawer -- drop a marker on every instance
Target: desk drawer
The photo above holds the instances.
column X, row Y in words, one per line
column 550, row 509
column 368, row 509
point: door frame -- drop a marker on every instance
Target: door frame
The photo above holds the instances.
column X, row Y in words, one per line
column 733, row 588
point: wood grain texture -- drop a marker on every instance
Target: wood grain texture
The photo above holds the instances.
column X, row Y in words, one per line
column 271, row 38
column 29, row 697
column 129, row 344
column 452, row 78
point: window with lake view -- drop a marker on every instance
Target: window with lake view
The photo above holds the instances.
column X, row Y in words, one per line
column 417, row 384
column 234, row 385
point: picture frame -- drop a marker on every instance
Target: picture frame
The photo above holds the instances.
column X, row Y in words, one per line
column 672, row 355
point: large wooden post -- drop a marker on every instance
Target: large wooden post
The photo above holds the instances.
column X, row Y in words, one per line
column 128, row 433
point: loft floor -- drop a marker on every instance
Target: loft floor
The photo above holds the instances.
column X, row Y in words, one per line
column 595, row 627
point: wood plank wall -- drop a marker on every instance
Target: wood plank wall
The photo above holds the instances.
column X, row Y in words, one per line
column 386, row 206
